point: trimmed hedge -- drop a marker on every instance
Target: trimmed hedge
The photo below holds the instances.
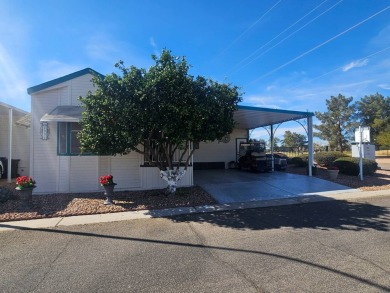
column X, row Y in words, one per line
column 350, row 166
column 300, row 161
column 327, row 158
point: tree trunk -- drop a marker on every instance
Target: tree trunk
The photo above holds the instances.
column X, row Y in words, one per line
column 172, row 176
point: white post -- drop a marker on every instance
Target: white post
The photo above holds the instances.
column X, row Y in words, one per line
column 310, row 143
column 361, row 152
column 272, row 149
column 10, row 118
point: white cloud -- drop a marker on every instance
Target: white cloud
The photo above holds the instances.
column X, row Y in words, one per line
column 102, row 47
column 12, row 82
column 266, row 101
column 382, row 38
column 106, row 51
column 14, row 40
column 354, row 64
column 52, row 69
column 270, row 88
column 152, row 42
column 154, row 45
column 385, row 86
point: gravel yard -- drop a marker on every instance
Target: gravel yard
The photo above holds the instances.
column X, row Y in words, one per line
column 59, row 205
column 379, row 181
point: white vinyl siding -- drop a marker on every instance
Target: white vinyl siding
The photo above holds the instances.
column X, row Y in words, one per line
column 215, row 151
column 126, row 171
column 83, row 175
column 51, row 172
column 44, row 161
column 64, row 174
column 80, row 87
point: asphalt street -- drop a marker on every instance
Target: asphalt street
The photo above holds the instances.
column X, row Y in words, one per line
column 335, row 246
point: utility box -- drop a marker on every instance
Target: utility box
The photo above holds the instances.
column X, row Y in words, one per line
column 368, row 151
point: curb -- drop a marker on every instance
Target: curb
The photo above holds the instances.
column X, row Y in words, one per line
column 148, row 214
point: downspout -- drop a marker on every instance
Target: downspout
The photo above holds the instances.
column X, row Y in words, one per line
column 10, row 118
column 310, row 143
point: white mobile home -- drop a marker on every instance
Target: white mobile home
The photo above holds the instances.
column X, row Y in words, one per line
column 57, row 165
column 14, row 141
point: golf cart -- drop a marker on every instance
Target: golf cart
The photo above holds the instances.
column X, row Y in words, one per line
column 252, row 157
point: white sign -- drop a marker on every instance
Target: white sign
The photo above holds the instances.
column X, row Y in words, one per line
column 365, row 134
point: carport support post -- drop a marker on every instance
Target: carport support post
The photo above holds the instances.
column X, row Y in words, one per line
column 272, row 148
column 310, row 143
column 10, row 118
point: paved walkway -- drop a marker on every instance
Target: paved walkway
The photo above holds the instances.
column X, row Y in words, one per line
column 383, row 163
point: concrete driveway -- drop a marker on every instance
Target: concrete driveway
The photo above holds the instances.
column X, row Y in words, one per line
column 228, row 186
column 383, row 162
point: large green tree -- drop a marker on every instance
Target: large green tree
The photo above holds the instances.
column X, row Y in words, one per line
column 383, row 138
column 293, row 140
column 337, row 123
column 157, row 112
column 374, row 111
column 277, row 142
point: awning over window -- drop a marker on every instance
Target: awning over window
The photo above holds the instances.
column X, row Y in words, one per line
column 64, row 114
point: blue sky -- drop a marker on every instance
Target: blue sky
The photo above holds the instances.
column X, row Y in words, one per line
column 286, row 54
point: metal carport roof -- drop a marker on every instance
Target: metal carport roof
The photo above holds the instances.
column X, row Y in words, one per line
column 248, row 117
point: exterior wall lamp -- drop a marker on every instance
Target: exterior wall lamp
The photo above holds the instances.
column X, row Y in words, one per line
column 45, row 130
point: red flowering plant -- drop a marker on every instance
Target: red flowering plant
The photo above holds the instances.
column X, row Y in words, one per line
column 107, row 180
column 24, row 182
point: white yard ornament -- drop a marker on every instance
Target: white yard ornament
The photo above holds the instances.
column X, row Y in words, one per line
column 172, row 177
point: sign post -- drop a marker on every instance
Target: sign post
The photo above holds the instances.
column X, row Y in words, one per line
column 361, row 152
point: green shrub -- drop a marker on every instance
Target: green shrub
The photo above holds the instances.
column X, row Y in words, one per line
column 5, row 194
column 350, row 166
column 300, row 161
column 327, row 158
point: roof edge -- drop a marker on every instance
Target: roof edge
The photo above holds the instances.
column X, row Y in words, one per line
column 305, row 114
column 62, row 79
column 5, row 105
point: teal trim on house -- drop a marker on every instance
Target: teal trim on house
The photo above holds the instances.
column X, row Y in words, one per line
column 65, row 78
column 300, row 113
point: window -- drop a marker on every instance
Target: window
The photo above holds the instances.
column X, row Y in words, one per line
column 68, row 143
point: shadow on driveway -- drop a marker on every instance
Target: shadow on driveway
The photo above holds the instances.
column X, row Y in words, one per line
column 341, row 215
